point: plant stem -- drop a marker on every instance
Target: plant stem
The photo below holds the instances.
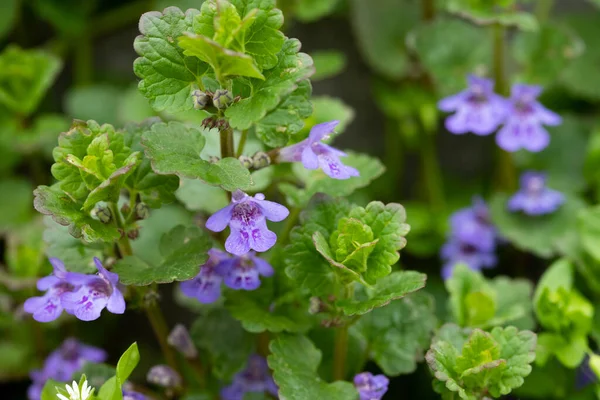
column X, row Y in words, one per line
column 161, row 331
column 124, row 244
column 506, row 173
column 434, row 184
column 226, row 136
column 242, row 143
column 543, row 9
column 290, row 222
column 262, row 343
column 340, row 351
column 428, row 7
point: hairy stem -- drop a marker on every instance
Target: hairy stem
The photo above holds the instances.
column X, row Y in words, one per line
column 340, row 352
column 226, row 136
column 262, row 343
column 506, row 174
column 242, row 143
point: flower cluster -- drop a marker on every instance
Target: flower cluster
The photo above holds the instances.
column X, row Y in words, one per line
column 313, row 154
column 255, row 378
column 534, row 198
column 76, row 393
column 62, row 363
column 237, row 272
column 481, row 111
column 472, row 239
column 82, row 295
column 371, row 387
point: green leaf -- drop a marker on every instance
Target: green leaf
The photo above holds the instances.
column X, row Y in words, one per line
column 588, row 222
column 294, row 361
column 97, row 373
column 25, row 76
column 15, row 203
column 224, row 62
column 49, row 392
column 127, row 362
column 281, row 80
column 214, row 332
column 183, row 250
column 24, row 250
column 483, row 12
column 495, row 362
column 313, row 10
column 315, row 181
column 111, row 390
column 381, row 27
column 394, row 286
column 258, row 311
column 174, row 148
column 53, row 201
column 544, row 54
column 303, row 263
column 328, row 63
column 450, row 49
column 167, row 76
column 287, row 118
column 97, row 102
column 8, row 14
column 544, row 235
column 398, row 334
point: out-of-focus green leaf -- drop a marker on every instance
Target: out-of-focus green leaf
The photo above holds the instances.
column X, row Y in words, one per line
column 98, row 102
column 68, row 16
column 25, row 76
column 8, row 13
column 15, row 203
column 578, row 77
column 313, row 10
column 381, row 27
column 484, row 12
column 24, row 249
column 328, row 63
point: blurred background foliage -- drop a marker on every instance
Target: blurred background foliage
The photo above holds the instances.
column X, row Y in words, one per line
column 381, row 66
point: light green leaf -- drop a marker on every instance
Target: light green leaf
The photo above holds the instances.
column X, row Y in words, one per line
column 398, row 334
column 315, row 181
column 127, row 362
column 224, row 62
column 199, row 196
column 25, row 76
column 544, row 235
column 49, row 392
column 281, row 80
column 294, row 361
column 183, row 250
column 24, row 250
column 472, row 299
column 588, row 222
column 450, row 49
column 174, row 148
column 168, row 77
column 214, row 332
column 97, row 102
column 381, row 27
column 313, row 10
column 394, row 286
column 111, row 390
column 53, row 201
column 328, row 63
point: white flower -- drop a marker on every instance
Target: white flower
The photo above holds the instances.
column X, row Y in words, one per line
column 75, row 393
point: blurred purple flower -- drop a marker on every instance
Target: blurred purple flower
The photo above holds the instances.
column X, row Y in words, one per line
column 255, row 378
column 315, row 154
column 180, row 339
column 478, row 108
column 369, row 386
column 534, row 198
column 242, row 273
column 455, row 252
column 62, row 363
column 247, row 218
column 131, row 395
column 95, row 293
column 472, row 226
column 206, row 286
column 164, row 376
column 523, row 127
column 49, row 306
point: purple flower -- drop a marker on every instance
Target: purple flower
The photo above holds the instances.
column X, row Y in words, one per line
column 523, row 127
column 255, row 378
column 585, row 376
column 243, row 272
column 62, row 363
column 206, row 286
column 130, row 395
column 315, row 154
column 455, row 252
column 163, row 375
column 49, row 306
column 473, row 226
column 534, row 198
column 247, row 218
column 96, row 293
column 478, row 108
column 369, row 386
column 180, row 339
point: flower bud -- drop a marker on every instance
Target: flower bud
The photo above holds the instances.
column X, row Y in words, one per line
column 141, row 211
column 200, row 99
column 261, row 160
column 164, row 376
column 213, row 159
column 180, row 339
column 222, row 98
column 315, row 305
column 246, row 161
column 133, row 234
column 102, row 214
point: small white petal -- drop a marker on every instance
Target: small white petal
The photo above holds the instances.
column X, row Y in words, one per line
column 61, row 397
